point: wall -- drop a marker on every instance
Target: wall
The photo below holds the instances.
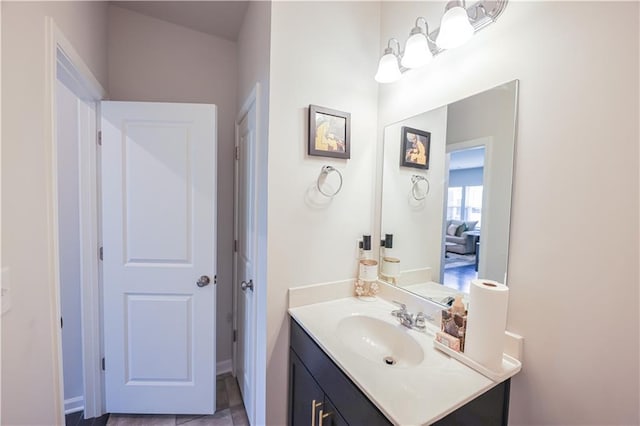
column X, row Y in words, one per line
column 466, row 177
column 29, row 354
column 576, row 174
column 254, row 47
column 416, row 225
column 153, row 60
column 69, row 243
column 322, row 53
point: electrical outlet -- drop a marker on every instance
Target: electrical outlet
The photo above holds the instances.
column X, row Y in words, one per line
column 5, row 295
column 358, row 249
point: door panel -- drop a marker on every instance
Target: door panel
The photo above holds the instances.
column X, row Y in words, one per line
column 158, row 156
column 158, row 186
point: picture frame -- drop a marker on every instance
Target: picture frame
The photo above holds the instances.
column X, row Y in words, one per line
column 329, row 132
column 415, row 148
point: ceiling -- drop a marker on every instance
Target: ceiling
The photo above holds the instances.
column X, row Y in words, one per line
column 467, row 159
column 218, row 18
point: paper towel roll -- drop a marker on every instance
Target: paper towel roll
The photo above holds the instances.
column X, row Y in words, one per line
column 486, row 323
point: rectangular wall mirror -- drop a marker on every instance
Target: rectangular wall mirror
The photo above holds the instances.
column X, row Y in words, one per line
column 447, row 224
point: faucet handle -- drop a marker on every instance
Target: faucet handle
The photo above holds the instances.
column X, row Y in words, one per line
column 399, row 312
column 402, row 305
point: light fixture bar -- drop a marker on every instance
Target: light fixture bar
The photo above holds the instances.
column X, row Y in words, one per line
column 392, row 65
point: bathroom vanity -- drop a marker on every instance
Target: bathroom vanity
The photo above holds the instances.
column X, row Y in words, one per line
column 352, row 363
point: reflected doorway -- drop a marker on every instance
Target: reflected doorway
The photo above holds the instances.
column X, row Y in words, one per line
column 463, row 211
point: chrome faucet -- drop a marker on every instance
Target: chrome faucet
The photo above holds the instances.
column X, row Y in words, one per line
column 409, row 320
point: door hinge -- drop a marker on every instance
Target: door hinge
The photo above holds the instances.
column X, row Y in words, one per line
column 100, row 137
column 103, row 364
column 235, row 335
column 235, row 246
column 237, row 152
column 101, row 253
column 61, row 323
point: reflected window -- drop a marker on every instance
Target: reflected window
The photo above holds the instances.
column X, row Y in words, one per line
column 454, row 203
column 465, row 203
column 473, row 204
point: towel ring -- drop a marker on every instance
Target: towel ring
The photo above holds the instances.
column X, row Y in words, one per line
column 415, row 182
column 324, row 172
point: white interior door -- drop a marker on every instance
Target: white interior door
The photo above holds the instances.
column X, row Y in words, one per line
column 158, row 186
column 245, row 230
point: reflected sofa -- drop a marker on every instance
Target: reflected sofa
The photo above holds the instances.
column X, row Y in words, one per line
column 461, row 236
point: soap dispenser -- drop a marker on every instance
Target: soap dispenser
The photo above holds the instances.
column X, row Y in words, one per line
column 390, row 265
column 366, row 285
column 458, row 306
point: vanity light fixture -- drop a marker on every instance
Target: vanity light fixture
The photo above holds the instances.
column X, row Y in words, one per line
column 455, row 28
column 458, row 25
column 388, row 68
column 417, row 52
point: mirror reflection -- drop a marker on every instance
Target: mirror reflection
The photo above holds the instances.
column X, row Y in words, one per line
column 445, row 221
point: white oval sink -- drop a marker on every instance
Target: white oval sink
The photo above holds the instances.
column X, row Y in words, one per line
column 380, row 341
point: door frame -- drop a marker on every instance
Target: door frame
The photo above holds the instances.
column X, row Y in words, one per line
column 251, row 100
column 65, row 64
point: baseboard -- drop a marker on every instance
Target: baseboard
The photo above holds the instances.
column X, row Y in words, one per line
column 73, row 405
column 224, row 366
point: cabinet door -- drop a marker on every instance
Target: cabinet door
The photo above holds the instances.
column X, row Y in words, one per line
column 306, row 398
column 329, row 415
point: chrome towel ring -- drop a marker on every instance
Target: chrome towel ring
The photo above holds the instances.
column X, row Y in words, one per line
column 415, row 184
column 324, row 172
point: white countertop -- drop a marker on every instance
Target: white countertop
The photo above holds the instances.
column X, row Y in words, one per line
column 415, row 395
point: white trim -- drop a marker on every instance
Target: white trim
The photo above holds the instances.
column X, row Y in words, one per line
column 73, row 405
column 64, row 63
column 225, row 366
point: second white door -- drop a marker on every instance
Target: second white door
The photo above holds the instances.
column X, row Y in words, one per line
column 245, row 257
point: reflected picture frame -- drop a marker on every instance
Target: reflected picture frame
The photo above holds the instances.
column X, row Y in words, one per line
column 415, row 148
column 329, row 132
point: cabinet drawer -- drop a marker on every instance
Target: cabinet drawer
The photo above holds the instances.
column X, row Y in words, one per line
column 353, row 406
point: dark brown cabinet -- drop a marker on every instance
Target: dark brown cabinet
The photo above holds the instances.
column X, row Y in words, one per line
column 321, row 394
column 309, row 404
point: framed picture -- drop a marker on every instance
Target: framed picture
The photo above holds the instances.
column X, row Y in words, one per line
column 415, row 148
column 329, row 132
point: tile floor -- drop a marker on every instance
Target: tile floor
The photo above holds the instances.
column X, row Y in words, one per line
column 230, row 412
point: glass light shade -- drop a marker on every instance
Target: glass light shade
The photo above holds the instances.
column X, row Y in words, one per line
column 416, row 51
column 455, row 28
column 388, row 70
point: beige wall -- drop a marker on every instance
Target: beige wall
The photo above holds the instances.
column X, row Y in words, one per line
column 321, row 53
column 254, row 47
column 154, row 60
column 29, row 390
column 576, row 176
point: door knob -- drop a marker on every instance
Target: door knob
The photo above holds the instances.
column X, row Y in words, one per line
column 246, row 285
column 203, row 281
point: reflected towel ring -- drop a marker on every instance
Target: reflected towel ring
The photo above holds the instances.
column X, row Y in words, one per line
column 415, row 181
column 324, row 172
